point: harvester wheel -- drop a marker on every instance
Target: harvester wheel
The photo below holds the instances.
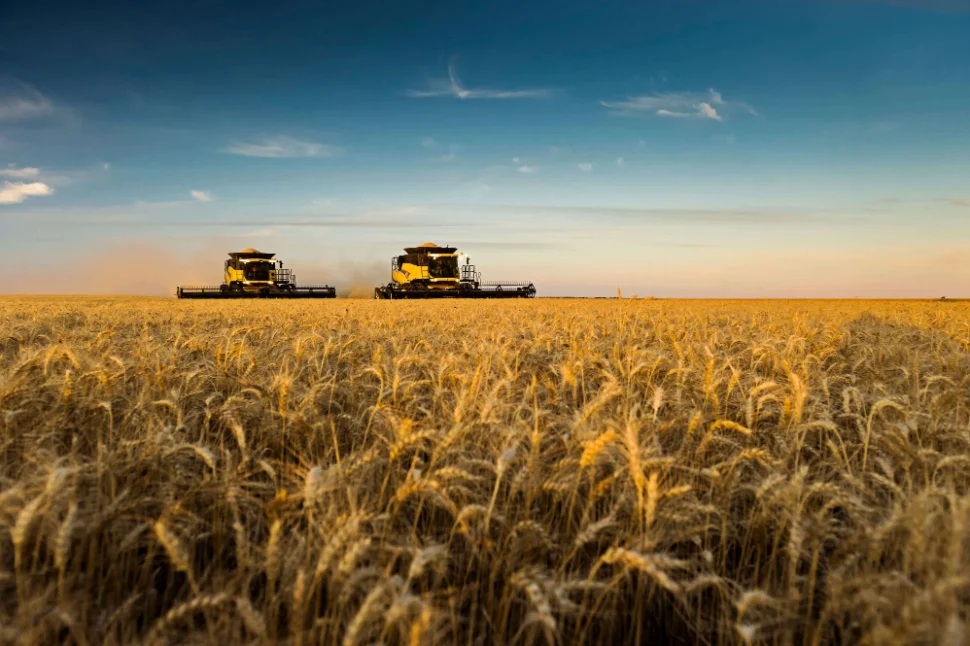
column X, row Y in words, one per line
column 224, row 288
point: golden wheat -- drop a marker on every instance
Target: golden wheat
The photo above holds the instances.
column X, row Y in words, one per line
column 615, row 471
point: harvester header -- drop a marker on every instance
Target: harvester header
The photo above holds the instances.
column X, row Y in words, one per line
column 430, row 271
column 256, row 274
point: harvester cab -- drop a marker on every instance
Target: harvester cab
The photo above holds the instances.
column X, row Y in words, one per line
column 426, row 267
column 430, row 271
column 255, row 274
column 251, row 270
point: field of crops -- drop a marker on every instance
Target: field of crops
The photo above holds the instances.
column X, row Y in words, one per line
column 547, row 471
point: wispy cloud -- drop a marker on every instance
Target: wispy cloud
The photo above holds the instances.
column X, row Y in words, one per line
column 586, row 167
column 619, row 162
column 283, row 147
column 684, row 105
column 21, row 102
column 452, row 88
column 528, row 170
column 429, row 142
column 17, row 192
column 202, row 196
column 19, row 173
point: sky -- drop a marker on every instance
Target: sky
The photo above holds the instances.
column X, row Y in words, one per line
column 737, row 148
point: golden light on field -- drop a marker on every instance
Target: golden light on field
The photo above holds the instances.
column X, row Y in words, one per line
column 548, row 471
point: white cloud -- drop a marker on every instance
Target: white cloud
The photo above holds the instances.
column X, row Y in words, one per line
column 51, row 177
column 702, row 110
column 17, row 192
column 528, row 170
column 687, row 105
column 449, row 157
column 283, row 147
column 107, row 165
column 429, row 142
column 202, row 196
column 20, row 102
column 453, row 88
column 586, row 167
column 515, row 160
column 19, row 173
column 619, row 162
column 669, row 101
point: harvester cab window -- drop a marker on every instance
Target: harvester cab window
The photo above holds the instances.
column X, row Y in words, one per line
column 446, row 267
column 257, row 270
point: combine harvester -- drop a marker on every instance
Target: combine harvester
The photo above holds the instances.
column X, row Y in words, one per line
column 253, row 274
column 430, row 271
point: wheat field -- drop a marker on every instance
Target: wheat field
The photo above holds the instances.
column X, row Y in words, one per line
column 527, row 472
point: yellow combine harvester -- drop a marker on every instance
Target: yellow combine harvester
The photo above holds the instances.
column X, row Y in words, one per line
column 254, row 274
column 430, row 271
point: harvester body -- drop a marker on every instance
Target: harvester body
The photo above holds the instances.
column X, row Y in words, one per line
column 430, row 271
column 255, row 274
column 251, row 271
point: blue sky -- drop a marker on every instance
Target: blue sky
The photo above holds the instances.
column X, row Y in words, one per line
column 683, row 148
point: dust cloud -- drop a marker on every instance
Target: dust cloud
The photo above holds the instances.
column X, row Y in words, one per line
column 353, row 278
column 146, row 269
column 131, row 269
